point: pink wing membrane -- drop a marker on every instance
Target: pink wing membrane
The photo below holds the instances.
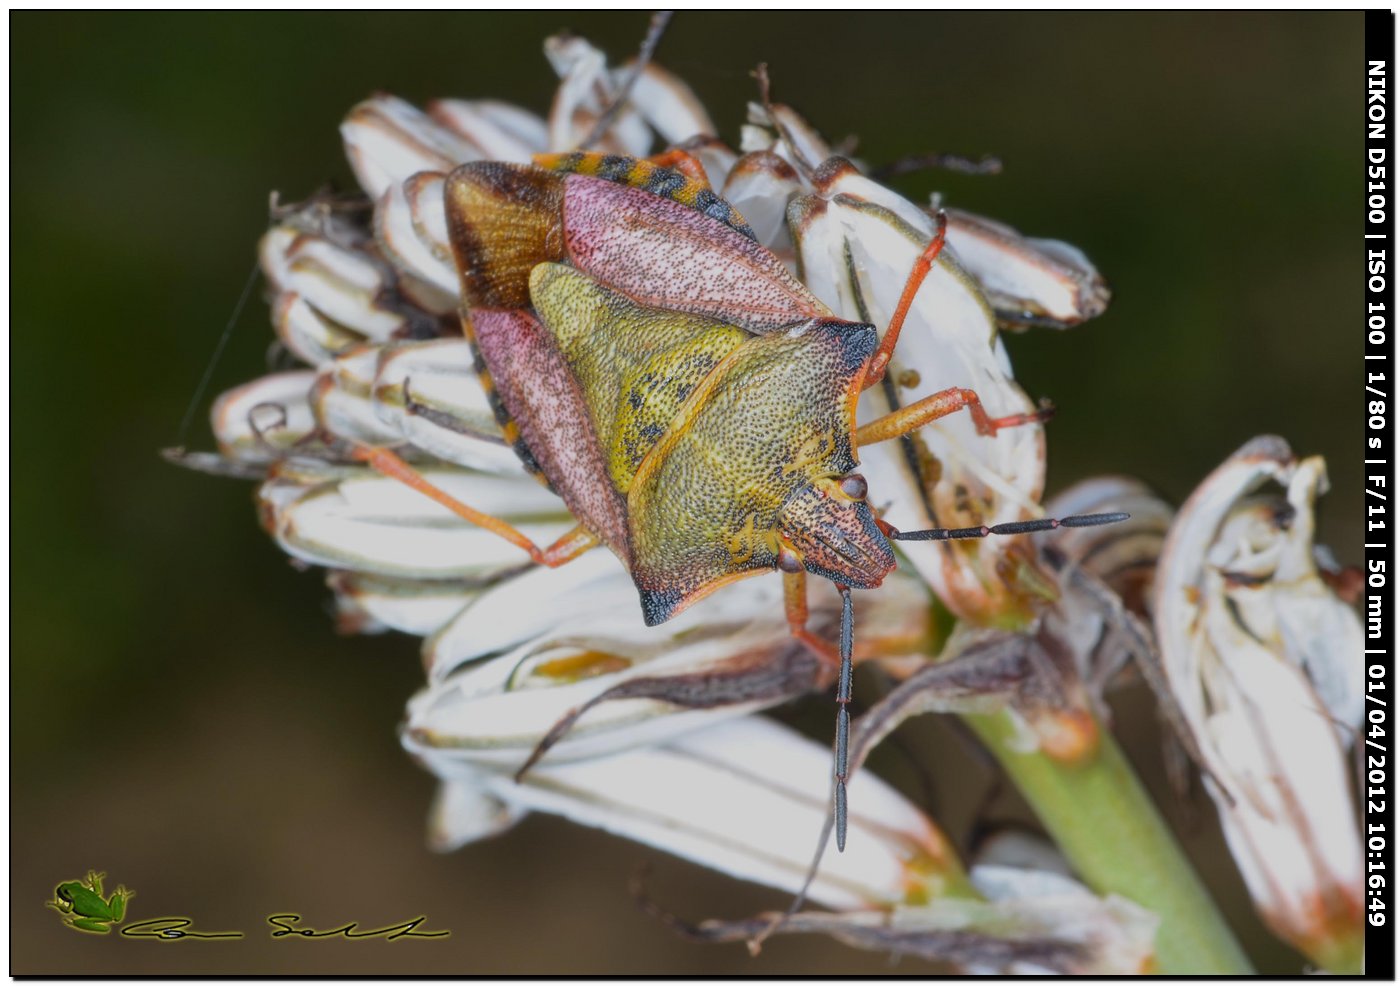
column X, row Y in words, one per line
column 663, row 254
column 539, row 391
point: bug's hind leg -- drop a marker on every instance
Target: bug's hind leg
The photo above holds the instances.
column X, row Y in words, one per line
column 568, row 547
column 935, row 406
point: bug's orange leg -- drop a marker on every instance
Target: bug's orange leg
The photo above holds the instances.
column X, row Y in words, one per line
column 881, row 359
column 939, row 405
column 795, row 605
column 684, row 162
column 572, row 544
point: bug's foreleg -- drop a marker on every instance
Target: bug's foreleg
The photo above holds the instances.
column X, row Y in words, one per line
column 941, row 404
column 568, row 547
column 881, row 358
column 795, row 605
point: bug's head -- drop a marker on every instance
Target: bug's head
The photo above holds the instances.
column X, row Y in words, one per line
column 830, row 530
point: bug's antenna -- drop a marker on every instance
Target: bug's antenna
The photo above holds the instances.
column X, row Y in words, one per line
column 659, row 20
column 1012, row 527
column 987, row 165
column 840, row 769
column 843, row 717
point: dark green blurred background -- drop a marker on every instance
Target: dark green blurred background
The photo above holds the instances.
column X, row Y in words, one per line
column 183, row 716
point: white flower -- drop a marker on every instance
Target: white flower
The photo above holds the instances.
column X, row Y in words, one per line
column 1266, row 663
column 651, row 732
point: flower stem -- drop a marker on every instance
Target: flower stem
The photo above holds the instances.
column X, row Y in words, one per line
column 1111, row 833
column 1340, row 955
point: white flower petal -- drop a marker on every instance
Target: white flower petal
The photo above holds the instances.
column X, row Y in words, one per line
column 258, row 421
column 342, row 284
column 1118, row 936
column 496, row 131
column 748, row 798
column 273, row 254
column 308, row 334
column 585, row 90
column 367, row 522
column 388, row 140
column 410, row 224
column 511, row 613
column 1123, row 555
column 760, row 185
column 465, row 811
column 782, row 130
column 342, row 401
column 1049, row 282
column 429, row 393
column 858, row 242
column 588, row 658
column 497, row 713
column 1247, row 630
column 666, row 103
column 370, row 603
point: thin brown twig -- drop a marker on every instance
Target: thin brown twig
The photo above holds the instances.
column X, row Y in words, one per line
column 659, row 20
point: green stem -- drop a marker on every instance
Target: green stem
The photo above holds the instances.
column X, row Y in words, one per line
column 1340, row 955
column 1111, row 833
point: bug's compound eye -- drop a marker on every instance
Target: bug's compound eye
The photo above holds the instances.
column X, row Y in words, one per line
column 854, row 486
column 789, row 560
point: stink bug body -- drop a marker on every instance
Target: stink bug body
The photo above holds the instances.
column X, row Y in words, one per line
column 692, row 403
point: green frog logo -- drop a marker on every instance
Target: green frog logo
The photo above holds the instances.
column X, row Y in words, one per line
column 85, row 909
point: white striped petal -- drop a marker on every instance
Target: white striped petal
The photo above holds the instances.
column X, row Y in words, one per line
column 1041, row 282
column 368, row 603
column 1266, row 664
column 747, row 797
column 370, row 523
column 429, row 394
column 388, row 140
column 342, row 284
column 588, row 652
column 666, row 103
column 260, row 420
column 586, row 89
column 342, row 399
column 496, row 131
column 858, row 241
column 308, row 334
column 465, row 811
column 783, row 131
column 410, row 224
column 760, row 185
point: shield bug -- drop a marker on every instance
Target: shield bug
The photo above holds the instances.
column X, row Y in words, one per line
column 692, row 403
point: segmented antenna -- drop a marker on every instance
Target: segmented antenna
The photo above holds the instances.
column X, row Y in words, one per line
column 843, row 680
column 843, row 717
column 1012, row 527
